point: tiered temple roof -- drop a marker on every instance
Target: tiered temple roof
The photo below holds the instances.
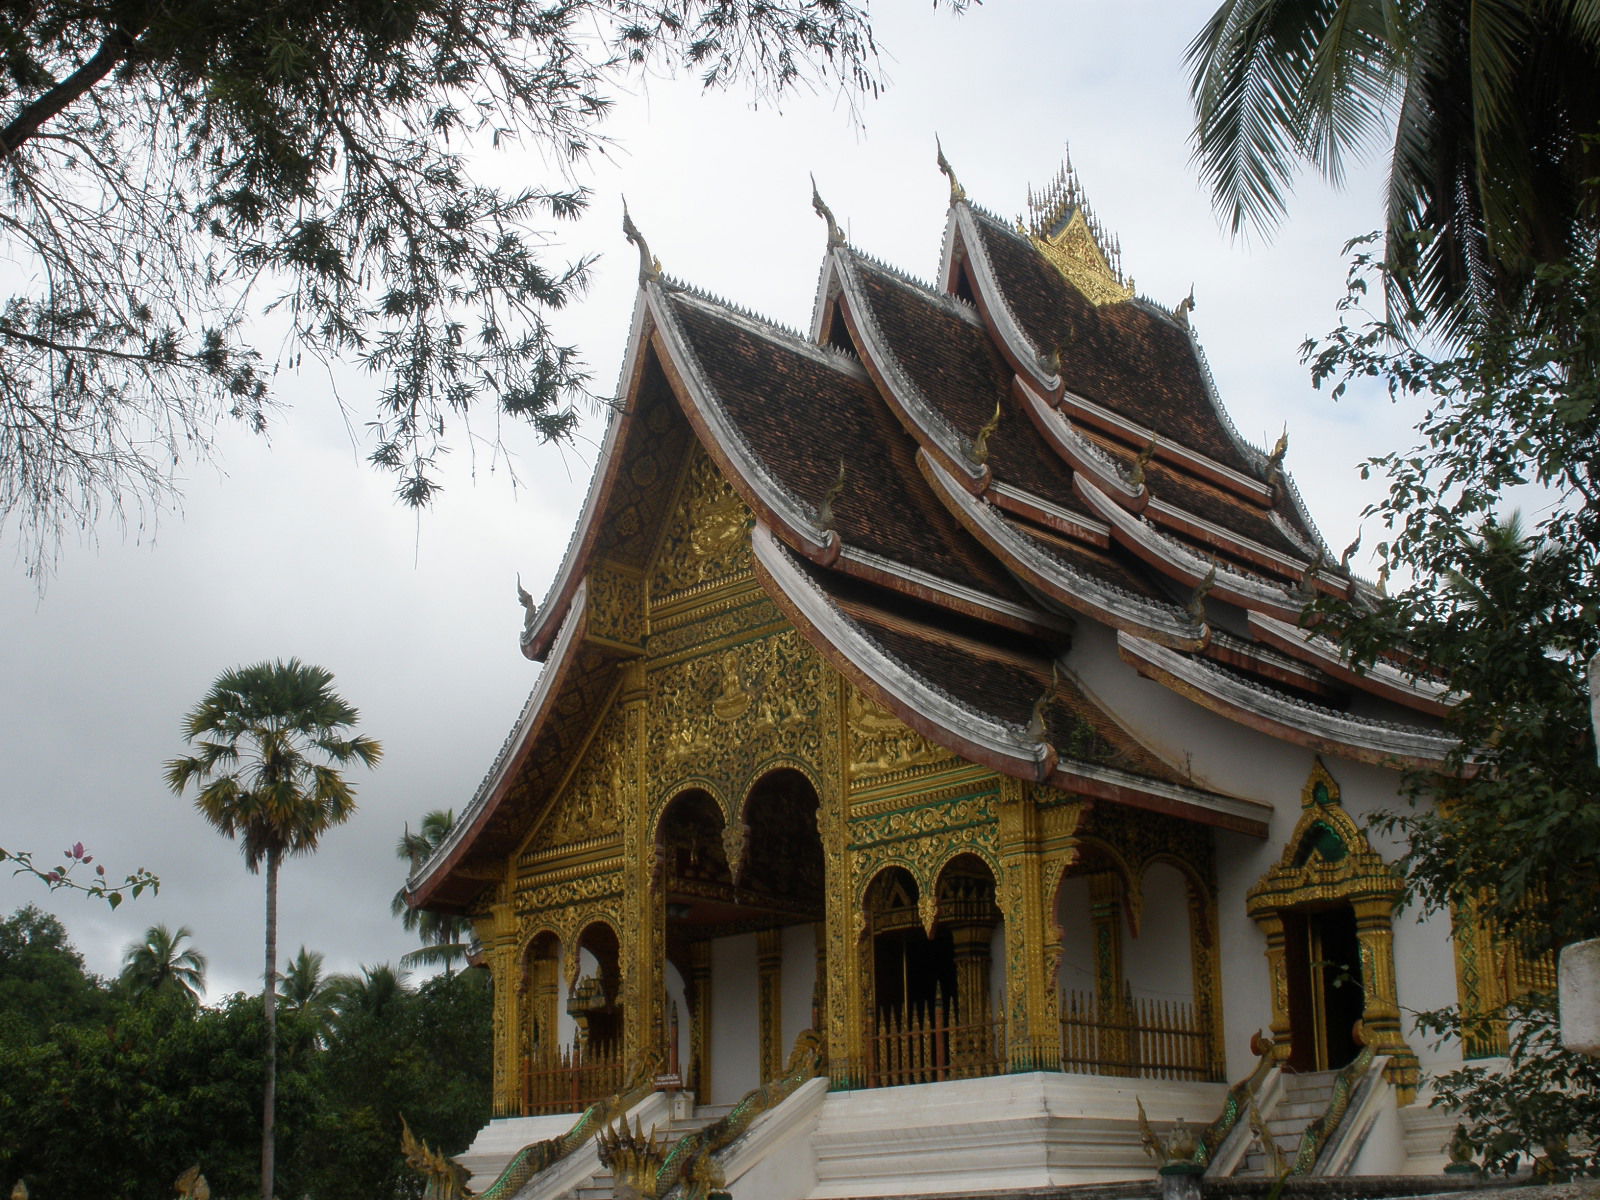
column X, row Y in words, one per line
column 945, row 482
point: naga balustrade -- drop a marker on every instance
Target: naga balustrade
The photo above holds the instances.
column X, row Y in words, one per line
column 1138, row 1037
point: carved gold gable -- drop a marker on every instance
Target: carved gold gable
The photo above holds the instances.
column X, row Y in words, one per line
column 707, row 537
column 1075, row 253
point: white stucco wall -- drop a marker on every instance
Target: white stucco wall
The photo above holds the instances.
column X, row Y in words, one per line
column 798, row 976
column 1156, row 964
column 1221, row 755
column 735, row 1028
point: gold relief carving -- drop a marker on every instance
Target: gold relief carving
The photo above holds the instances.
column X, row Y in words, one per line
column 928, row 910
column 696, row 730
column 732, row 702
column 734, row 835
column 707, row 537
column 723, row 619
column 571, row 891
column 880, row 742
column 616, row 604
column 589, row 805
column 1075, row 253
column 972, row 816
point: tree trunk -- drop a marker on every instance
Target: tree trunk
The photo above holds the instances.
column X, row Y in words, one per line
column 269, row 1008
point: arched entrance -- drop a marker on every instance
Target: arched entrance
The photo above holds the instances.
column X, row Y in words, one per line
column 934, row 1009
column 742, row 905
column 1326, row 910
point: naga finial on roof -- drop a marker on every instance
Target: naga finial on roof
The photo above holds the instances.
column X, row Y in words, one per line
column 835, row 234
column 649, row 265
column 826, row 517
column 980, row 444
column 957, row 192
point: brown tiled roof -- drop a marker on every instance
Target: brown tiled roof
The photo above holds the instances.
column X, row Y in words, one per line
column 802, row 410
column 955, row 365
column 1125, row 357
column 991, row 683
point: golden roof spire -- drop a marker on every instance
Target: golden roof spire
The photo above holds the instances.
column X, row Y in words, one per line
column 1063, row 229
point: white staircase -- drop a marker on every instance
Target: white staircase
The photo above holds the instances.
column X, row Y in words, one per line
column 1302, row 1099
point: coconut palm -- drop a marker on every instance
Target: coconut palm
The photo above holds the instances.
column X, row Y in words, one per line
column 308, row 994
column 1494, row 107
column 270, row 740
column 445, row 936
column 160, row 964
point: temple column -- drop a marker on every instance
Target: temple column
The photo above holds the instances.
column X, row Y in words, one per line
column 1380, row 1014
column 498, row 935
column 1105, row 918
column 1278, row 972
column 642, row 935
column 769, row 1001
column 1033, row 1041
column 699, row 992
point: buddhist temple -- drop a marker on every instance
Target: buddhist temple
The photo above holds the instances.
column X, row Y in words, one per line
column 930, row 785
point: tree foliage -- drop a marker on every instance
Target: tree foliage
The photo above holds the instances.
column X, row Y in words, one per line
column 161, row 963
column 1493, row 167
column 271, row 738
column 118, row 1094
column 1512, row 822
column 446, row 937
column 172, row 168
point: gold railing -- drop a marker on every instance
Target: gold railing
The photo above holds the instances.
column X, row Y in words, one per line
column 578, row 1077
column 926, row 1046
column 1150, row 1039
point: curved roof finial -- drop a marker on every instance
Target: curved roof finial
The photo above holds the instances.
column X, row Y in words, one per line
column 957, row 192
column 649, row 265
column 835, row 234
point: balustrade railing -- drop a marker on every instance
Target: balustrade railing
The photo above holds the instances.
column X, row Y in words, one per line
column 1151, row 1039
column 578, row 1077
column 926, row 1046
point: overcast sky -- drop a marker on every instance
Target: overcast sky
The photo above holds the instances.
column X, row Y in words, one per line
column 290, row 546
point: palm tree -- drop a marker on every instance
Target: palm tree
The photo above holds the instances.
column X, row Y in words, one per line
column 159, row 964
column 1494, row 105
column 307, row 994
column 445, row 937
column 270, row 739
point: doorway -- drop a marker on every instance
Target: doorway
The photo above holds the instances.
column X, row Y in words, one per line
column 1327, row 992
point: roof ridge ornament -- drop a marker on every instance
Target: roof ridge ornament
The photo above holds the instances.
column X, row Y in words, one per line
column 980, row 444
column 1185, row 307
column 1136, row 473
column 1038, row 725
column 649, row 265
column 957, row 192
column 1064, row 229
column 1275, row 459
column 835, row 234
column 826, row 517
column 1197, row 601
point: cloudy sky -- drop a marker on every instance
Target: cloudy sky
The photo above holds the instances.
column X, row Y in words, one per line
column 290, row 546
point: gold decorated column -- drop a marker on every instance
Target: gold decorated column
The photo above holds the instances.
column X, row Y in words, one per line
column 1105, row 922
column 497, row 933
column 643, row 950
column 1033, row 1043
column 1380, row 1016
column 699, row 994
column 769, row 999
column 1278, row 975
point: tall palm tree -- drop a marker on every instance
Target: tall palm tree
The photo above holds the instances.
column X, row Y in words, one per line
column 445, row 937
column 160, row 964
column 1494, row 106
column 270, row 738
